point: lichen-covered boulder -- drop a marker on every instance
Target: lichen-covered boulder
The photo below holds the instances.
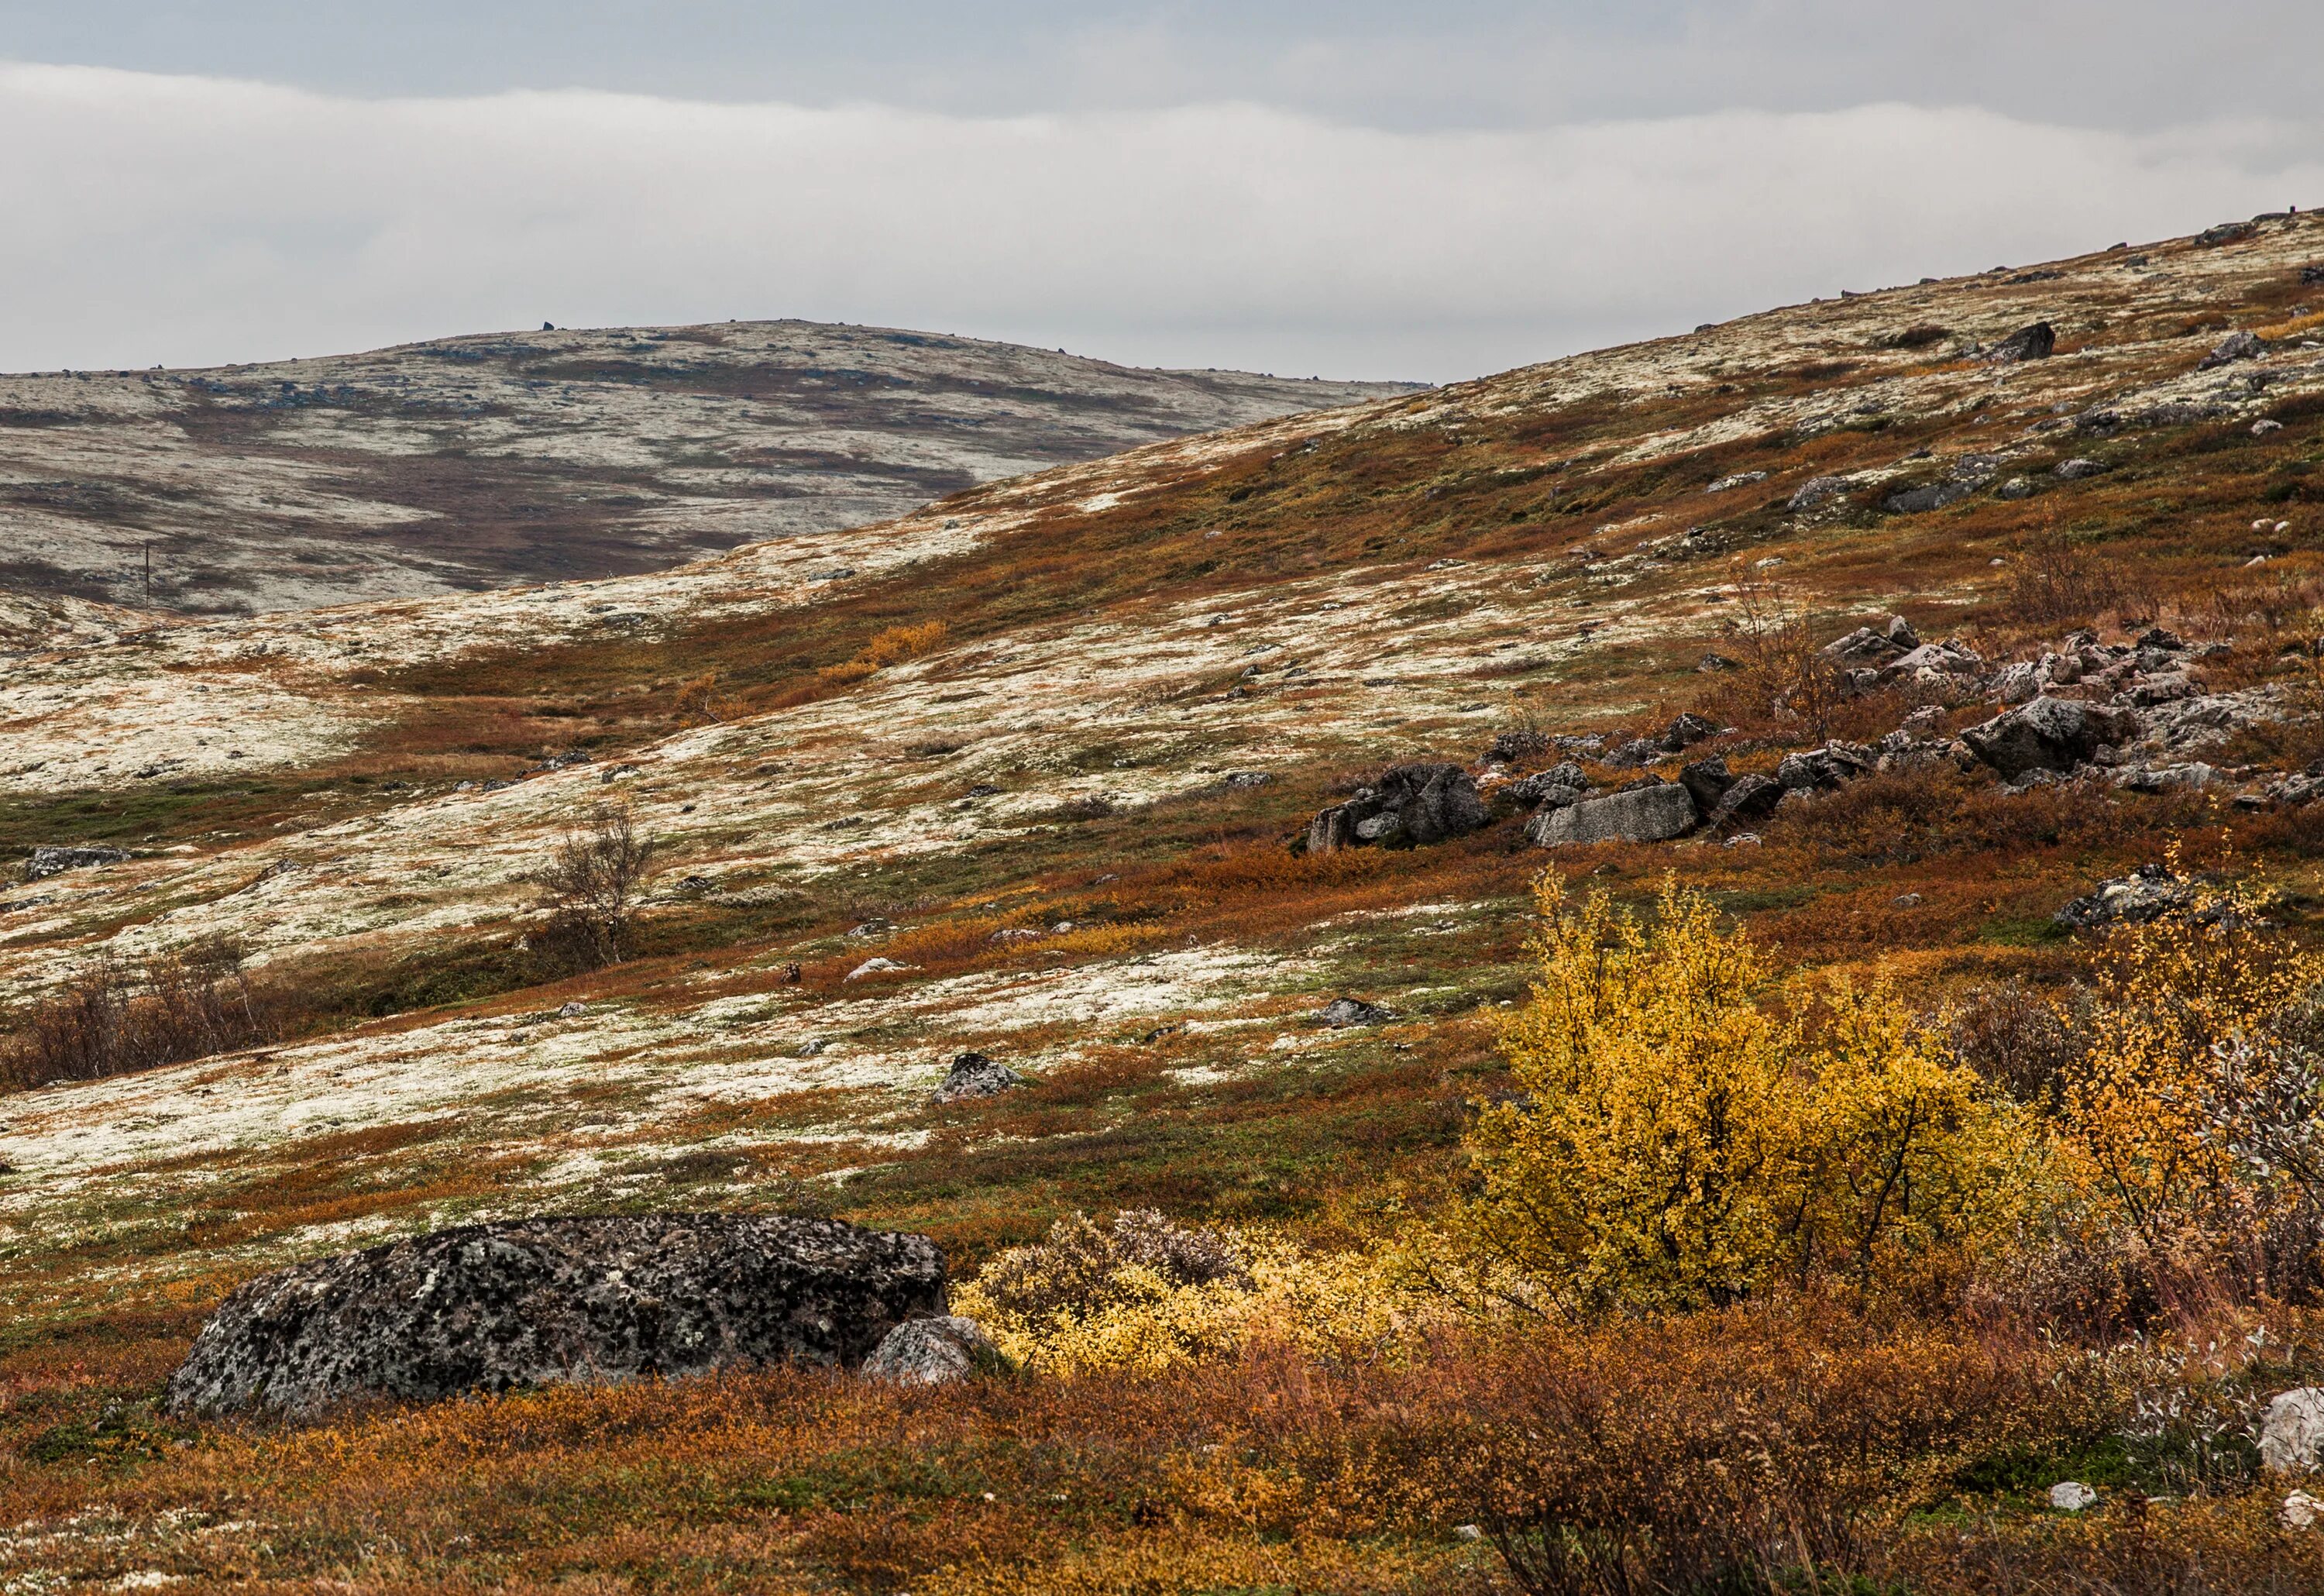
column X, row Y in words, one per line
column 1410, row 805
column 2049, row 734
column 1641, row 815
column 494, row 1307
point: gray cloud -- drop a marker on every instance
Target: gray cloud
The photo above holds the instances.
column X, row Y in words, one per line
column 187, row 219
column 2129, row 64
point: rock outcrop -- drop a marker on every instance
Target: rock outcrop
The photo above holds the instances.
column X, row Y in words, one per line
column 2147, row 893
column 494, row 1307
column 47, row 862
column 2049, row 734
column 1410, row 806
column 1641, row 815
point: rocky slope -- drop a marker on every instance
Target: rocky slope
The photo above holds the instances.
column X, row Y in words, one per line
column 1036, row 773
column 476, row 462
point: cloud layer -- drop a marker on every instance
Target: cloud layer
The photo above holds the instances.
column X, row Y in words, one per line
column 191, row 220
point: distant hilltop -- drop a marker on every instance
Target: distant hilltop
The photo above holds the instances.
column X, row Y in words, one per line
column 476, row 462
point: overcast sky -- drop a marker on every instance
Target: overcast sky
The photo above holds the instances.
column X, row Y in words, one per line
column 1356, row 189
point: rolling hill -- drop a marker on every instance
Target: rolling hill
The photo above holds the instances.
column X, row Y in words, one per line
column 1035, row 772
column 476, row 462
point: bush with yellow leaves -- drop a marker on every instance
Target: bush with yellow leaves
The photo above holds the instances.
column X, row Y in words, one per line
column 1679, row 1143
column 1142, row 1294
column 2198, row 1105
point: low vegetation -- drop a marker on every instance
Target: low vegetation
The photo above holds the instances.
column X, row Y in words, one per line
column 1784, row 1207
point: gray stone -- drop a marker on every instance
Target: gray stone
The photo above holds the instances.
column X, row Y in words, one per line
column 1816, row 491
column 974, row 1076
column 2027, row 343
column 2291, row 1436
column 494, row 1307
column 1706, row 781
column 2048, row 734
column 2078, row 467
column 934, row 1352
column 1649, row 815
column 1751, row 797
column 1428, row 803
column 2235, row 346
column 54, row 861
column 2148, row 893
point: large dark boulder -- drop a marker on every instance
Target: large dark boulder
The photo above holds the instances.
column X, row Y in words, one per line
column 492, row 1307
column 1751, row 797
column 2049, row 734
column 1409, row 805
column 1706, row 781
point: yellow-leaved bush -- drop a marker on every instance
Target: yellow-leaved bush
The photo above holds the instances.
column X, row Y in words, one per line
column 2195, row 1103
column 1676, row 1142
column 1142, row 1294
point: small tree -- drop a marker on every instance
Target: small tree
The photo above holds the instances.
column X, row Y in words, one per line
column 593, row 879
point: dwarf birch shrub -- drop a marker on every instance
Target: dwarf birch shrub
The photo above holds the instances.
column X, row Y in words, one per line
column 1679, row 1144
column 2198, row 1106
column 1141, row 1293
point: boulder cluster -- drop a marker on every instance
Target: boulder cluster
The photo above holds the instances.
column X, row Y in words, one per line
column 2131, row 714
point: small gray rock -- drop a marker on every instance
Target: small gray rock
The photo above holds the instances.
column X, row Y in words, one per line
column 934, row 1352
column 2291, row 1436
column 2075, row 470
column 1343, row 1012
column 974, row 1076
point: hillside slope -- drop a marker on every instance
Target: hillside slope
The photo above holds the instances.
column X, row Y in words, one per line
column 476, row 462
column 1032, row 772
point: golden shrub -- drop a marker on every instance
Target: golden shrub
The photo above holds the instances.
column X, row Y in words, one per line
column 1678, row 1144
column 898, row 643
column 2196, row 1023
column 1141, row 1293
